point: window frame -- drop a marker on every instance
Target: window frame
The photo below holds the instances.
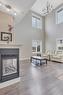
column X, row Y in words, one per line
column 58, row 11
column 38, row 42
column 38, row 22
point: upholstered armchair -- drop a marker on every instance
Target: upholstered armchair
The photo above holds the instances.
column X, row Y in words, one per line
column 57, row 56
column 46, row 54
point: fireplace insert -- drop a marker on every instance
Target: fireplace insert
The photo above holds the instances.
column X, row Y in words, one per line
column 9, row 64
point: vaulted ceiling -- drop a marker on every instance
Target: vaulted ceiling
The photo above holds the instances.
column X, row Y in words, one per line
column 19, row 5
column 23, row 6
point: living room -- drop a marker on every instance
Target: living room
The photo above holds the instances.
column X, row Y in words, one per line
column 31, row 29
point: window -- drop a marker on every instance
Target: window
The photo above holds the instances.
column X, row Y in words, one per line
column 59, row 16
column 33, row 22
column 59, row 44
column 34, row 45
column 37, row 46
column 36, row 22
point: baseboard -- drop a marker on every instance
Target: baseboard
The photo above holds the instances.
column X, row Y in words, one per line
column 24, row 60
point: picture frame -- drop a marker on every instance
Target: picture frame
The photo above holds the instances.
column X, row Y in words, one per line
column 5, row 36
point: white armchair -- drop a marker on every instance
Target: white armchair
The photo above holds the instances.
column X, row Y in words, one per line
column 58, row 56
column 46, row 55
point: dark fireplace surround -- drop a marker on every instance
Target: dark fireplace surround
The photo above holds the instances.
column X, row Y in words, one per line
column 9, row 64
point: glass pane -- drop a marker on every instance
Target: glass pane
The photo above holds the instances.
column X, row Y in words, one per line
column 38, row 23
column 9, row 66
column 38, row 48
column 60, row 16
column 33, row 22
column 33, row 49
column 34, row 45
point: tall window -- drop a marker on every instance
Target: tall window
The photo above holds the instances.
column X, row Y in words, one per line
column 36, row 22
column 37, row 46
column 59, row 16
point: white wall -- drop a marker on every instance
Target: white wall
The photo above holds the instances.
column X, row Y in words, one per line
column 24, row 34
column 53, row 31
column 6, row 20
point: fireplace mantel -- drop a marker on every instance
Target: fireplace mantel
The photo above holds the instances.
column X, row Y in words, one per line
column 10, row 45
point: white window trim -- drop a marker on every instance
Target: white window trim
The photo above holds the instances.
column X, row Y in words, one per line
column 36, row 46
column 57, row 14
column 58, row 44
column 37, row 17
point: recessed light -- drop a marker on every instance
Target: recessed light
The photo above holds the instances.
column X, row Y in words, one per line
column 8, row 9
column 15, row 14
column 0, row 4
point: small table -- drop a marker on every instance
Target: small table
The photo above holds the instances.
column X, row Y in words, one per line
column 38, row 60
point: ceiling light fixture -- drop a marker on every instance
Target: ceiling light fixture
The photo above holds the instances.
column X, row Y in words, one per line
column 8, row 6
column 48, row 8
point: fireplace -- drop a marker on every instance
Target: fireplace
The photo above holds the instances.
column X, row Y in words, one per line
column 9, row 64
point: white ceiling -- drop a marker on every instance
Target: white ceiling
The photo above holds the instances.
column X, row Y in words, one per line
column 20, row 6
column 41, row 4
column 23, row 6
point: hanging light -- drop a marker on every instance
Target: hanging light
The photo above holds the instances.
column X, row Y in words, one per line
column 48, row 8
